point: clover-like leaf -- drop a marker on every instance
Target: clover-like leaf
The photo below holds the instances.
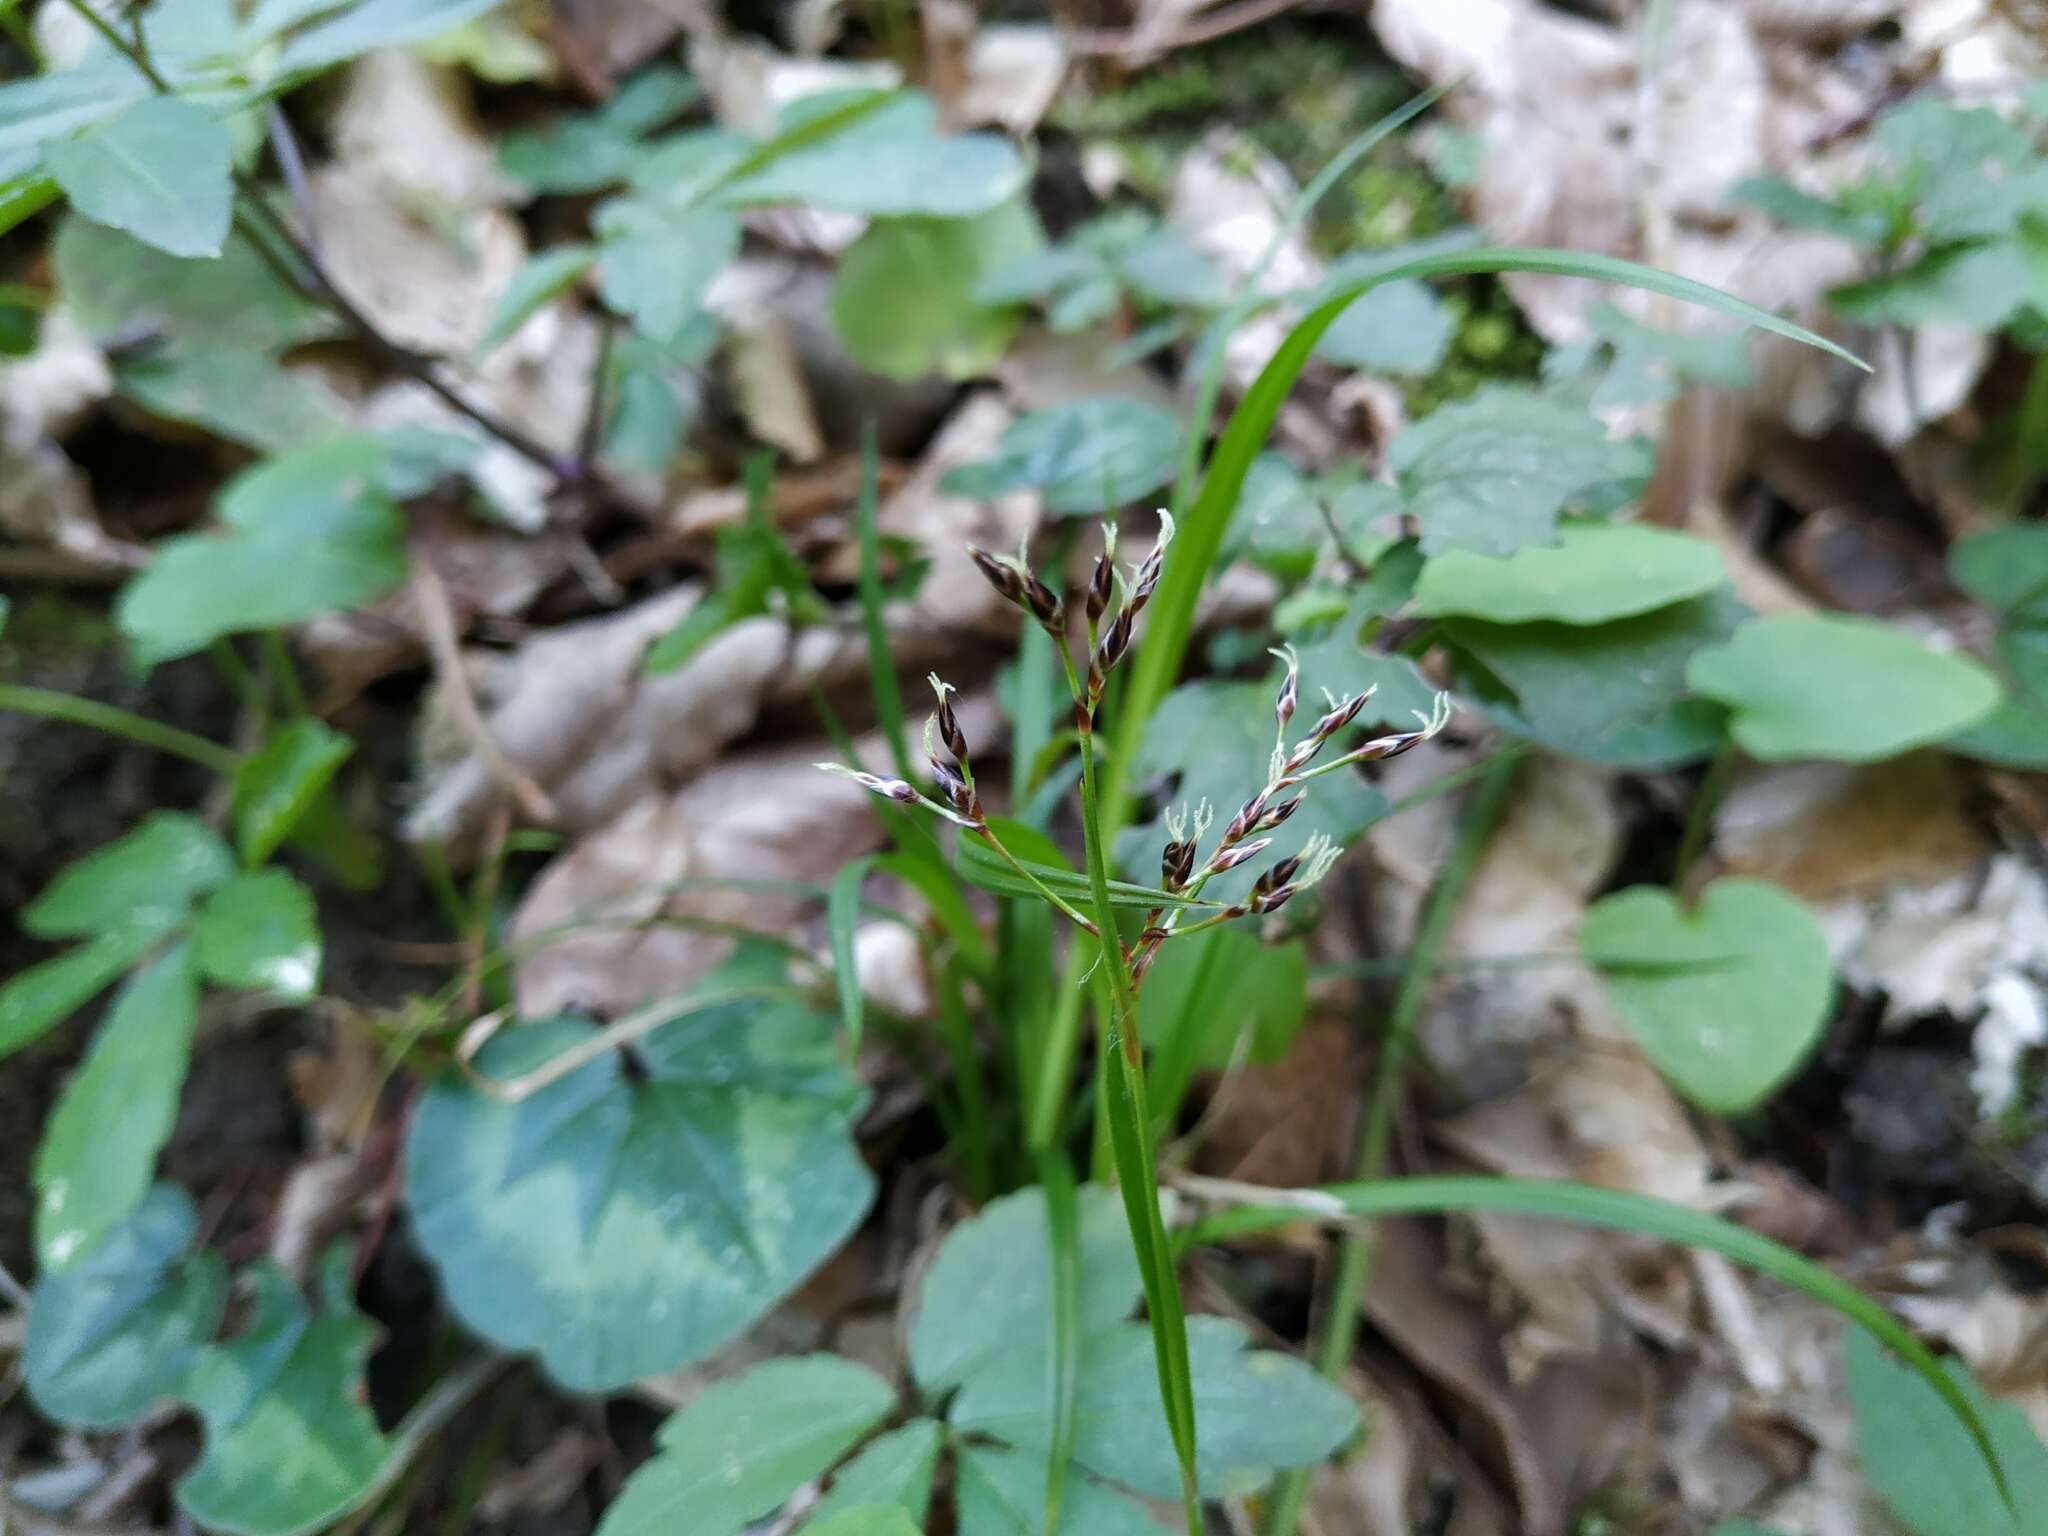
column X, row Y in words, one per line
column 745, row 1445
column 989, row 1288
column 1726, row 1000
column 158, row 169
column 1085, row 455
column 893, row 1470
column 98, row 1152
column 623, row 1221
column 1001, row 1492
column 892, row 162
column 1594, row 573
column 1255, row 1410
column 658, row 262
column 291, row 1446
column 1843, row 689
column 311, row 532
column 260, row 932
column 117, row 1331
column 1493, row 472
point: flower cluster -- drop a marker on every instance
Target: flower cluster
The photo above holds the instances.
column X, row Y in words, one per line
column 1110, row 606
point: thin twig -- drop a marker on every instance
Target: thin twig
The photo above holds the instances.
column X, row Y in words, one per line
column 284, row 146
column 1124, row 43
column 437, row 618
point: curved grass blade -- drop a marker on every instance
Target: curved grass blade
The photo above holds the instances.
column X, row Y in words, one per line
column 1593, row 1206
column 842, row 912
column 24, row 196
column 979, row 866
column 881, row 671
column 1164, row 643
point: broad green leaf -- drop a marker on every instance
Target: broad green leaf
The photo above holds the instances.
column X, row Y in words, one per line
column 1214, row 998
column 142, row 880
column 2014, row 735
column 98, row 1153
column 37, row 1000
column 2005, row 569
column 1214, row 741
column 1163, row 268
column 1002, row 1493
column 544, row 278
column 989, row 1288
column 291, row 1445
column 842, row 917
column 904, row 297
column 43, row 107
column 598, row 149
column 113, row 282
column 1713, row 357
column 277, row 784
column 1611, row 692
column 1492, row 473
column 1924, row 1463
column 892, row 165
column 1255, row 1410
column 1802, row 210
column 658, row 263
column 304, row 534
column 893, row 1470
column 746, row 1444
column 621, row 1225
column 1088, row 455
column 1398, row 327
column 1615, row 1209
column 234, row 391
column 1595, row 572
column 158, row 169
column 1726, row 1000
column 342, row 33
column 261, row 933
column 119, row 1330
column 1339, row 664
column 1980, row 286
column 863, row 1520
column 1844, row 689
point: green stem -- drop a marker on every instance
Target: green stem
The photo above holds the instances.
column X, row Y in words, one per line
column 1355, row 1256
column 959, row 1034
column 53, row 705
column 1130, row 1127
column 1700, row 819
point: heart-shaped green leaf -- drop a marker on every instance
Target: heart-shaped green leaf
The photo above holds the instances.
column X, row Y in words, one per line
column 735, row 1453
column 1726, row 1000
column 1001, row 1492
column 117, row 1331
column 1847, row 690
column 291, row 1445
column 98, row 1152
column 1595, row 572
column 905, row 296
column 622, row 1222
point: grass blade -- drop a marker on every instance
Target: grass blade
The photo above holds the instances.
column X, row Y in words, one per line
column 1063, row 1220
column 980, row 866
column 1593, row 1206
column 881, row 673
column 1163, row 645
column 842, row 912
column 24, row 196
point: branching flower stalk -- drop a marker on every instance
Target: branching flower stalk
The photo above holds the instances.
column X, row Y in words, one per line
column 1111, row 605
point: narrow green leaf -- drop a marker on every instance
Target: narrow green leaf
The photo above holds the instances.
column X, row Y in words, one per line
column 40, row 998
column 842, row 913
column 881, row 672
column 545, row 277
column 1622, row 1210
column 1063, row 1381
column 277, row 784
column 982, row 866
column 98, row 1152
column 159, row 170
column 137, row 881
column 23, row 197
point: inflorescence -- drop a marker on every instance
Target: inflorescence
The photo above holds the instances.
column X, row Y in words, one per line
column 1111, row 604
